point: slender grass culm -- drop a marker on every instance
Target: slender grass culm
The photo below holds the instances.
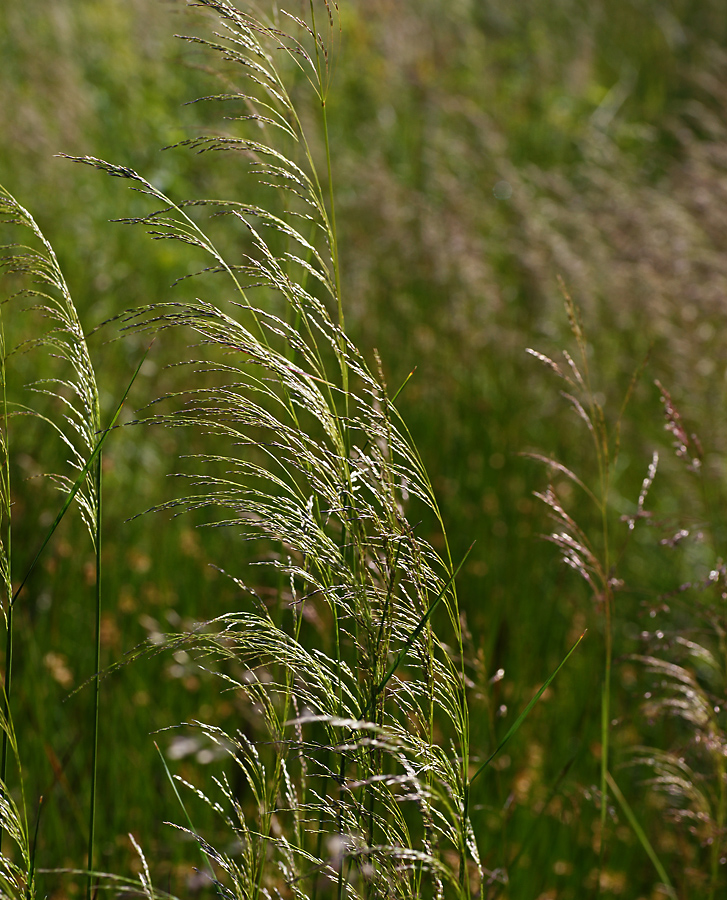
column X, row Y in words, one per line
column 593, row 564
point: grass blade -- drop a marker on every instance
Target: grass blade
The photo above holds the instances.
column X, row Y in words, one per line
column 184, row 810
column 641, row 835
column 524, row 714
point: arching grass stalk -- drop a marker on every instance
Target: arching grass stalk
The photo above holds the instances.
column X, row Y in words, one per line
column 93, row 464
column 82, row 435
column 76, row 394
column 593, row 563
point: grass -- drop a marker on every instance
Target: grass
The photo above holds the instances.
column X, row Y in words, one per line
column 78, row 396
column 331, row 491
column 354, row 721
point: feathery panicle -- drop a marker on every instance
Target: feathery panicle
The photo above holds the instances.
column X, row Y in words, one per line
column 77, row 391
column 687, row 446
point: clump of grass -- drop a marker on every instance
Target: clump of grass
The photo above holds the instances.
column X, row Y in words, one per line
column 352, row 777
column 357, row 773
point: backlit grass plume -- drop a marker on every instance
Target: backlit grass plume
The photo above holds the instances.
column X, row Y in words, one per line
column 75, row 390
column 356, row 758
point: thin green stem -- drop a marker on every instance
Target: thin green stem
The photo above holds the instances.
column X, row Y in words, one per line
column 30, row 890
column 94, row 456
column 341, row 779
column 641, row 835
column 6, row 694
column 6, row 512
column 464, row 882
column 606, row 687
column 190, row 825
column 600, row 439
column 96, row 683
column 465, row 735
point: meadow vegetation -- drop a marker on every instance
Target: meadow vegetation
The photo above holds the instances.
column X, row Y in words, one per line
column 411, row 275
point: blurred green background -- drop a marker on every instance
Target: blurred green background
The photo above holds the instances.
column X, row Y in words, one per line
column 480, row 150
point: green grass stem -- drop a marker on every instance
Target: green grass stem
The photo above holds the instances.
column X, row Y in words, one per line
column 96, row 678
column 641, row 835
